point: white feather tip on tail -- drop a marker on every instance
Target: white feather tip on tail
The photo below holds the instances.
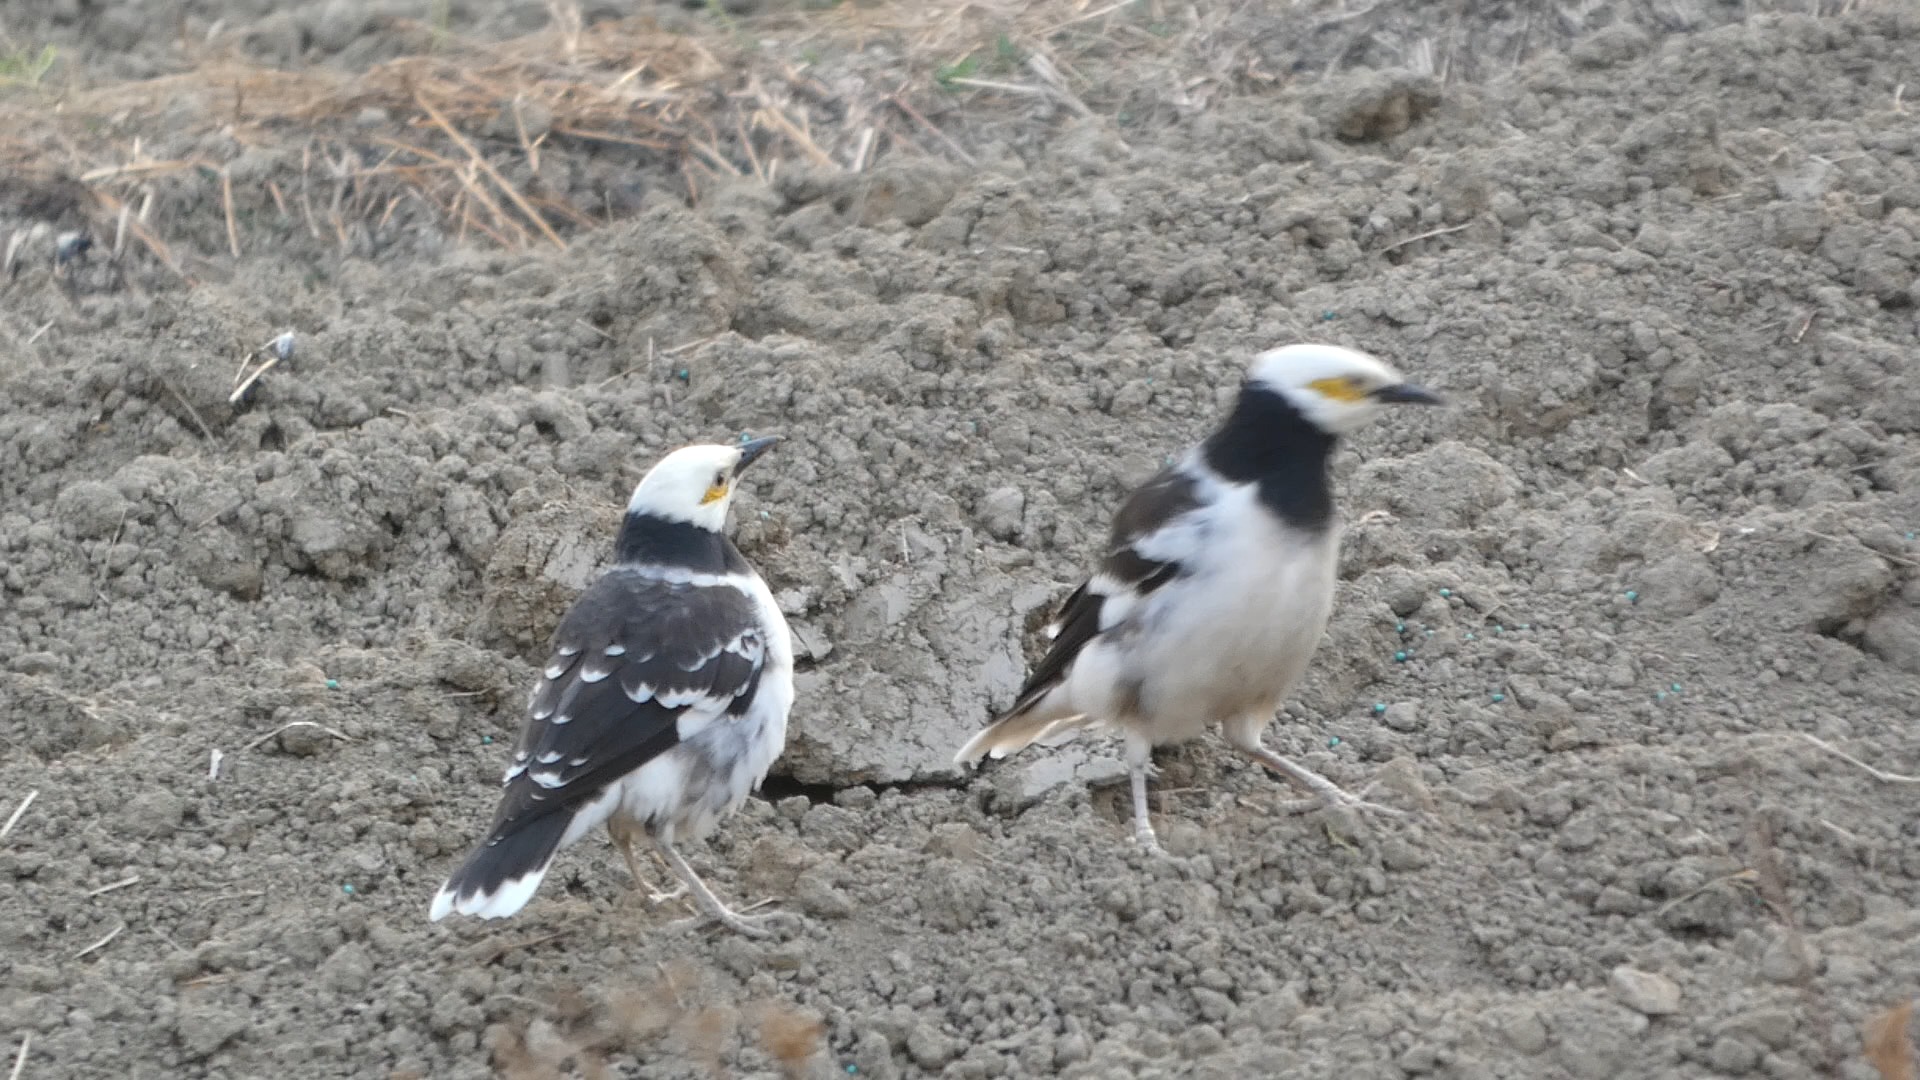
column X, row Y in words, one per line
column 971, row 753
column 506, row 899
column 1011, row 734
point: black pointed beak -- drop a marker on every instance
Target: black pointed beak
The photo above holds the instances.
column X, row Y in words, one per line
column 752, row 449
column 1407, row 393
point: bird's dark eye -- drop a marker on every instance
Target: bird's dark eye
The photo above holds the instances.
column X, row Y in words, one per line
column 720, row 479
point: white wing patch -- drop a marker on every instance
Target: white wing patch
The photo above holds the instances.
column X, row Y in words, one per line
column 1116, row 607
column 1179, row 541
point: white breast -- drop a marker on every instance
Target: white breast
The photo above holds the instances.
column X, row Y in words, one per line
column 1229, row 638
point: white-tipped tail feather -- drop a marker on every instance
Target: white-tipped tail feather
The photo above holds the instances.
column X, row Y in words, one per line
column 502, row 873
column 505, row 898
column 1016, row 731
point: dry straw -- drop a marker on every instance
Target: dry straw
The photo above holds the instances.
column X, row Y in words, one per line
column 488, row 138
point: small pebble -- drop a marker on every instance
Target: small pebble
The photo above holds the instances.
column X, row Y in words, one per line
column 1644, row 992
column 71, row 246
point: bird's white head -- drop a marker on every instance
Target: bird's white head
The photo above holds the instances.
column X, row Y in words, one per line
column 1338, row 390
column 694, row 484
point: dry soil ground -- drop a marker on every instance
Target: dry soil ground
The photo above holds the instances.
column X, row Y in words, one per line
column 1613, row 623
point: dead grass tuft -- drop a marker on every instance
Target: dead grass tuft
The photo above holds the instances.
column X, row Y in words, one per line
column 492, row 140
column 679, row 1016
column 791, row 1037
column 1889, row 1046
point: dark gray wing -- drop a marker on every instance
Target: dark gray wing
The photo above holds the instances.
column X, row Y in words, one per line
column 638, row 660
column 1125, row 576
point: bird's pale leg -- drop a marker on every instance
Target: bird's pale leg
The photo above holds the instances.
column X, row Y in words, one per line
column 1245, row 737
column 1139, row 765
column 750, row 925
column 623, row 839
column 1330, row 794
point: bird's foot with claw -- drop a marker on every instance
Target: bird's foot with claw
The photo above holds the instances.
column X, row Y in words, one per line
column 1149, row 845
column 754, row 926
column 674, row 893
column 1335, row 798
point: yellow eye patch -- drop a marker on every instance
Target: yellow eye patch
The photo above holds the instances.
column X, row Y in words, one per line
column 717, row 491
column 1344, row 388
